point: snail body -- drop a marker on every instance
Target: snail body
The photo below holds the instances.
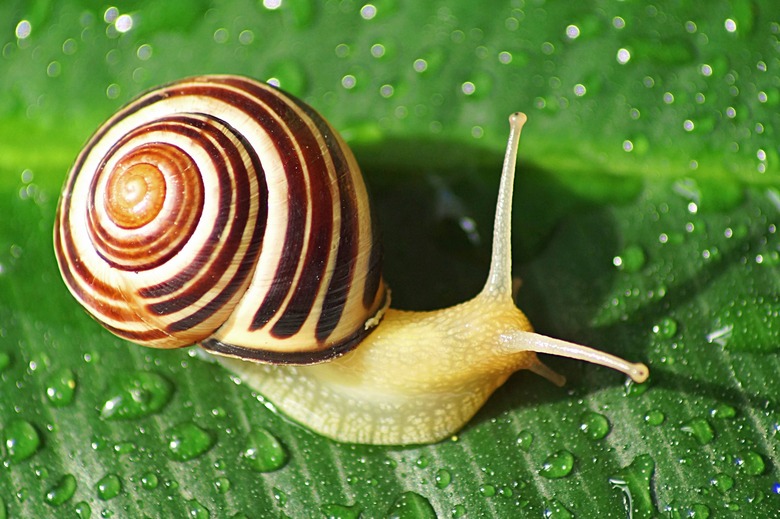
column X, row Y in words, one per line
column 221, row 211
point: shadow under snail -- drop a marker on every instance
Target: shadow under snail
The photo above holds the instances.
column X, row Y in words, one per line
column 221, row 211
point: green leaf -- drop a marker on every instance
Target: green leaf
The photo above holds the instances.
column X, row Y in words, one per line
column 646, row 213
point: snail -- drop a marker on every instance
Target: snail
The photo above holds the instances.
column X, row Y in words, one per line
column 223, row 212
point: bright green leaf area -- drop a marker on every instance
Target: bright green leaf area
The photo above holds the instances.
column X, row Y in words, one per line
column 646, row 213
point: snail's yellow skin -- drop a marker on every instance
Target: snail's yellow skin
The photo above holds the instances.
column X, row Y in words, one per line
column 420, row 376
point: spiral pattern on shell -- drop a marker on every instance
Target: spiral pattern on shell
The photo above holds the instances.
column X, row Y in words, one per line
column 222, row 211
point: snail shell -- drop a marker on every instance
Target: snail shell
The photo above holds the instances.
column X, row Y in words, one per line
column 221, row 211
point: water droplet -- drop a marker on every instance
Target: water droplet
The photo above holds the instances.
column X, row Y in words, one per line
column 723, row 411
column 458, row 511
column 280, row 497
column 443, row 478
column 700, row 429
column 422, row 461
column 634, row 481
column 666, row 328
column 61, row 387
column 524, row 440
column 557, row 465
column 553, row 509
column 594, row 425
column 62, row 491
column 187, row 441
column 125, row 448
column 722, row 482
column 134, row 395
column 264, row 451
column 83, row 510
column 5, row 361
column 411, row 505
column 750, row 462
column 487, row 490
column 632, row 259
column 337, row 511
column 109, row 487
column 222, row 484
column 149, row 481
column 196, row 510
column 655, row 417
column 21, row 440
column 634, row 389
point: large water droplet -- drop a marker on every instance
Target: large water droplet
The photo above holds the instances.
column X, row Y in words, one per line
column 555, row 510
column 5, row 358
column 632, row 259
column 655, row 417
column 264, row 451
column 109, row 487
column 722, row 482
column 594, row 425
column 411, row 505
column 149, row 481
column 83, row 510
column 723, row 412
column 62, row 491
column 135, row 395
column 61, row 387
column 196, row 510
column 222, row 485
column 666, row 328
column 557, row 465
column 700, row 429
column 634, row 481
column 750, row 462
column 524, row 440
column 187, row 441
column 443, row 478
column 337, row 511
column 21, row 440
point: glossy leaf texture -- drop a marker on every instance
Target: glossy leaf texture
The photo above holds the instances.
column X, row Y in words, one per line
column 646, row 213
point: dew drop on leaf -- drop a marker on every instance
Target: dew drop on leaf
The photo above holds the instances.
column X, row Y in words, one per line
column 222, row 485
column 280, row 497
column 21, row 440
column 411, row 505
column 337, row 511
column 187, row 441
column 62, row 491
column 750, row 462
column 109, row 487
column 723, row 412
column 634, row 481
column 557, row 465
column 264, row 451
column 632, row 259
column 722, row 482
column 555, row 510
column 196, row 510
column 458, row 511
column 135, row 395
column 5, row 361
column 700, row 429
column 487, row 490
column 524, row 440
column 655, row 417
column 83, row 510
column 442, row 478
column 60, row 387
column 666, row 328
column 149, row 481
column 594, row 425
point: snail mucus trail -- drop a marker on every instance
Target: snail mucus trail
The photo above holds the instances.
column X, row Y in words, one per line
column 221, row 211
